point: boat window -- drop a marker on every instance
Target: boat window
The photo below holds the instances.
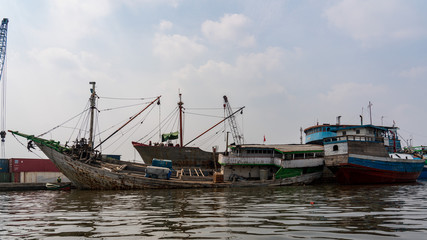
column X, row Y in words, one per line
column 335, row 148
column 357, row 131
column 344, row 133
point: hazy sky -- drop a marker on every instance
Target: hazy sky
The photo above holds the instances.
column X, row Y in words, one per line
column 290, row 63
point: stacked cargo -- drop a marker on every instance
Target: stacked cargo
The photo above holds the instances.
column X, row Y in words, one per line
column 4, row 170
column 24, row 170
column 159, row 168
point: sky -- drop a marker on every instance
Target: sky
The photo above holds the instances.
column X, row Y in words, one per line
column 291, row 64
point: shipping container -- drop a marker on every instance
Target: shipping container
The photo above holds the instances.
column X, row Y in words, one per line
column 4, row 177
column 42, row 177
column 31, row 165
column 15, row 177
column 4, row 165
column 162, row 163
column 158, row 172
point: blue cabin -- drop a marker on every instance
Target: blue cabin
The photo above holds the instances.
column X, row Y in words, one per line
column 317, row 134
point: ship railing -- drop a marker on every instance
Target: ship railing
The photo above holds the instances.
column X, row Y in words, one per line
column 358, row 138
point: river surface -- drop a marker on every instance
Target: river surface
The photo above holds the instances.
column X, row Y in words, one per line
column 297, row 212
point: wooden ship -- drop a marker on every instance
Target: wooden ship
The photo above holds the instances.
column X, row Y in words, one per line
column 87, row 168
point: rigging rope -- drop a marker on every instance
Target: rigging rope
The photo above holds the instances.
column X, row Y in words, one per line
column 155, row 129
column 115, row 98
column 204, row 115
column 25, row 146
column 126, row 106
column 135, row 127
column 61, row 124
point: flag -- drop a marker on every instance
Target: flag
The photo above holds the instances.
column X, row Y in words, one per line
column 264, row 138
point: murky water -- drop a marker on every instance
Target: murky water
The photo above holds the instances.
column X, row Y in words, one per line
column 300, row 212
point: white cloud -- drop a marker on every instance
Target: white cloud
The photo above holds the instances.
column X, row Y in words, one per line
column 372, row 22
column 76, row 19
column 230, row 28
column 176, row 47
column 55, row 58
column 139, row 3
column 351, row 92
column 251, row 76
column 414, row 72
column 165, row 25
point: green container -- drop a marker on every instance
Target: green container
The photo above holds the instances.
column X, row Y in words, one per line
column 4, row 177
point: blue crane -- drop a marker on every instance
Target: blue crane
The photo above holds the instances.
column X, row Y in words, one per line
column 3, row 42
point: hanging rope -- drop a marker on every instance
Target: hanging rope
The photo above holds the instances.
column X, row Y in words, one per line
column 25, row 146
column 168, row 118
column 204, row 115
column 115, row 98
column 61, row 124
column 121, row 107
column 135, row 127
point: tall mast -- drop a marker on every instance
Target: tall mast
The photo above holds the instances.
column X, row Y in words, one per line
column 92, row 111
column 180, row 103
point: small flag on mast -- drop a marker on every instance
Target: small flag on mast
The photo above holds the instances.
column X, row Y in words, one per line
column 264, row 138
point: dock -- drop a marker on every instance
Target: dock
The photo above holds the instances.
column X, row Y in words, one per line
column 22, row 186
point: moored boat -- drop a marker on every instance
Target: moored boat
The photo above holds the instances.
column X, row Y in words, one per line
column 182, row 155
column 87, row 168
column 58, row 186
column 301, row 163
column 366, row 154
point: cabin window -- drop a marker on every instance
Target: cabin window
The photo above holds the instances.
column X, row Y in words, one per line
column 344, row 133
column 358, row 131
column 335, row 148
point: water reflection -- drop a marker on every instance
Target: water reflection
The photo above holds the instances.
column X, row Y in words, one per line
column 315, row 212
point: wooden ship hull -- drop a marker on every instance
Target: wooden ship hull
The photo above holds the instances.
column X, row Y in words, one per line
column 181, row 157
column 122, row 175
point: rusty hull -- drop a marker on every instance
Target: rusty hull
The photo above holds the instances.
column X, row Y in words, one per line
column 87, row 176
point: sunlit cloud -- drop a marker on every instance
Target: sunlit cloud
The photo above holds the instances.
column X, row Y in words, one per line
column 231, row 28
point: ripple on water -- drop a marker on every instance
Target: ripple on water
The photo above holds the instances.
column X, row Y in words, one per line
column 302, row 212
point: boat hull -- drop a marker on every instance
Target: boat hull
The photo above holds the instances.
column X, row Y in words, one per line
column 58, row 186
column 181, row 157
column 423, row 174
column 374, row 170
column 86, row 176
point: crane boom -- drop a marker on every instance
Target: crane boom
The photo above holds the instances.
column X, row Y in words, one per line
column 238, row 138
column 3, row 42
